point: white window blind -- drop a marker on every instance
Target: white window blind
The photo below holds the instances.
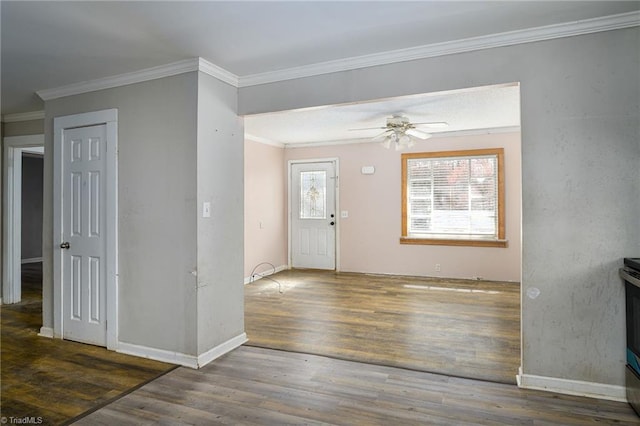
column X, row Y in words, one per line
column 452, row 197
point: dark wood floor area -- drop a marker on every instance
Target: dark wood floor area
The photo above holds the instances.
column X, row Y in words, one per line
column 455, row 327
column 256, row 386
column 57, row 380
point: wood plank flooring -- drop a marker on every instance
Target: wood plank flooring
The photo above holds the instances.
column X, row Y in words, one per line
column 256, row 386
column 54, row 379
column 455, row 327
column 253, row 385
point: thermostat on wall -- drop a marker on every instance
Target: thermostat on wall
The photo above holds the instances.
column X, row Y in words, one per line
column 368, row 170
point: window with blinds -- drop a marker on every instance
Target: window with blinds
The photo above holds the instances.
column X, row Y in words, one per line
column 454, row 197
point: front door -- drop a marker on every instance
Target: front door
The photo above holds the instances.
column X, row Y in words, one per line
column 313, row 221
column 83, row 246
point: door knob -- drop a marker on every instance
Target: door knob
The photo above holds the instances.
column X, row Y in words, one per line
column 65, row 245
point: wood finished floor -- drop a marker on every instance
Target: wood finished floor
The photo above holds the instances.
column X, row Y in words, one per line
column 257, row 386
column 54, row 379
column 455, row 327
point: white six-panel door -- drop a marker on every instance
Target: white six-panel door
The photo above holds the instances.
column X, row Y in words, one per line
column 313, row 215
column 83, row 246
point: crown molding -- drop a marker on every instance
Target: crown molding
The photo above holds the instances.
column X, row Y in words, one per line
column 326, row 143
column 147, row 74
column 477, row 132
column 168, row 70
column 569, row 29
column 549, row 32
column 23, row 116
column 217, row 72
column 446, row 134
column 262, row 140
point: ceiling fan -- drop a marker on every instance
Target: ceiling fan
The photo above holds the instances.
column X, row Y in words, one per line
column 402, row 133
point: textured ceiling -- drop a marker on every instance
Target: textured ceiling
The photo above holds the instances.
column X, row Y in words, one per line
column 480, row 109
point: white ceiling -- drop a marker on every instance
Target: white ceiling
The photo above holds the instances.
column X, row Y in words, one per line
column 493, row 108
column 52, row 43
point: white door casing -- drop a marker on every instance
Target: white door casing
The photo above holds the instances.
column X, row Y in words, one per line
column 12, row 221
column 85, row 228
column 312, row 213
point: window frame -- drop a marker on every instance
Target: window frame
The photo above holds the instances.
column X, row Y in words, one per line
column 500, row 241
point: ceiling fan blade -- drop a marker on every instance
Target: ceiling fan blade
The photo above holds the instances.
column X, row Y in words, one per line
column 434, row 124
column 380, row 137
column 418, row 134
column 367, row 128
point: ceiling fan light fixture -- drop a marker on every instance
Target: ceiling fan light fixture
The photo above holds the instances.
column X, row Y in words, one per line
column 389, row 138
column 386, row 143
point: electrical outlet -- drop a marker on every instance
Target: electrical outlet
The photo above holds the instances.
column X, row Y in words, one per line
column 437, row 267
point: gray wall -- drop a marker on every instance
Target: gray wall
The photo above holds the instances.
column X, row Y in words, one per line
column 32, row 168
column 220, row 238
column 580, row 154
column 180, row 143
column 156, row 208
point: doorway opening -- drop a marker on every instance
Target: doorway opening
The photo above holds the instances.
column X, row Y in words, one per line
column 22, row 222
column 370, row 214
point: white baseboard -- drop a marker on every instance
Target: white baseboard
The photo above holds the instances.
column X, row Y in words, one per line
column 46, row 332
column 158, row 354
column 256, row 277
column 31, row 260
column 185, row 360
column 221, row 349
column 572, row 387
